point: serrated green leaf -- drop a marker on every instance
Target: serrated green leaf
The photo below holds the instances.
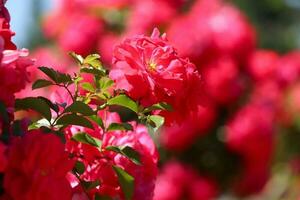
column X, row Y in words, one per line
column 79, row 167
column 40, row 83
column 93, row 60
column 78, row 58
column 97, row 119
column 120, row 126
column 73, row 119
column 113, row 148
column 132, row 154
column 125, row 101
column 156, row 121
column 49, row 72
column 105, row 83
column 79, row 107
column 88, row 87
column 128, row 152
column 50, row 104
column 56, row 76
column 34, row 103
column 97, row 72
column 126, row 181
column 87, row 139
column 158, row 106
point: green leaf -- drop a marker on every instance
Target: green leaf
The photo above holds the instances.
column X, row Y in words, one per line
column 156, row 121
column 79, row 107
column 126, row 181
column 94, row 71
column 40, row 83
column 159, row 106
column 78, row 58
column 132, row 154
column 88, row 185
column 128, row 152
column 34, row 103
column 50, row 104
column 73, row 119
column 56, row 76
column 87, row 139
column 123, row 100
column 45, row 129
column 33, row 126
column 114, row 148
column 51, row 73
column 98, row 120
column 3, row 112
column 79, row 167
column 120, row 126
column 93, row 60
column 88, row 87
column 105, row 83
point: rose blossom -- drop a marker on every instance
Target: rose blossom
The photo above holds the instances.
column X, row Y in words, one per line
column 5, row 33
column 179, row 181
column 188, row 130
column 222, row 81
column 37, row 168
column 262, row 64
column 13, row 73
column 3, row 159
column 99, row 164
column 150, row 71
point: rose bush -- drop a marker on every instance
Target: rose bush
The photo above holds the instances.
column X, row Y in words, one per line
column 199, row 112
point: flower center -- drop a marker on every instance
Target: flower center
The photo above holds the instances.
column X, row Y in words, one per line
column 152, row 66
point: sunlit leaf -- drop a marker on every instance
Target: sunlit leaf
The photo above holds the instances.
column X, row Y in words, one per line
column 34, row 103
column 40, row 83
column 73, row 119
column 126, row 181
column 123, row 100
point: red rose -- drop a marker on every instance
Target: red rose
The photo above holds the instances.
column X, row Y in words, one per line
column 178, row 181
column 13, row 73
column 218, row 29
column 99, row 163
column 188, row 130
column 37, row 168
column 262, row 64
column 3, row 159
column 150, row 71
column 251, row 134
column 222, row 81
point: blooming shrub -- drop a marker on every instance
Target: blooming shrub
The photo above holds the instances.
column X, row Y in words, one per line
column 199, row 112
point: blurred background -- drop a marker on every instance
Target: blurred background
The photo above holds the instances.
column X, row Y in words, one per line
column 276, row 21
column 244, row 141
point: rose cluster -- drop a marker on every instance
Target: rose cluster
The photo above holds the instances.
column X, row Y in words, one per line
column 230, row 109
column 79, row 149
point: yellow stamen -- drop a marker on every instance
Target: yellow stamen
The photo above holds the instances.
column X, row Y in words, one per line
column 152, row 66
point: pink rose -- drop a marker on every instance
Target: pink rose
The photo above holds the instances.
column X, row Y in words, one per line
column 262, row 64
column 179, row 181
column 13, row 73
column 3, row 157
column 150, row 71
column 37, row 168
column 99, row 163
